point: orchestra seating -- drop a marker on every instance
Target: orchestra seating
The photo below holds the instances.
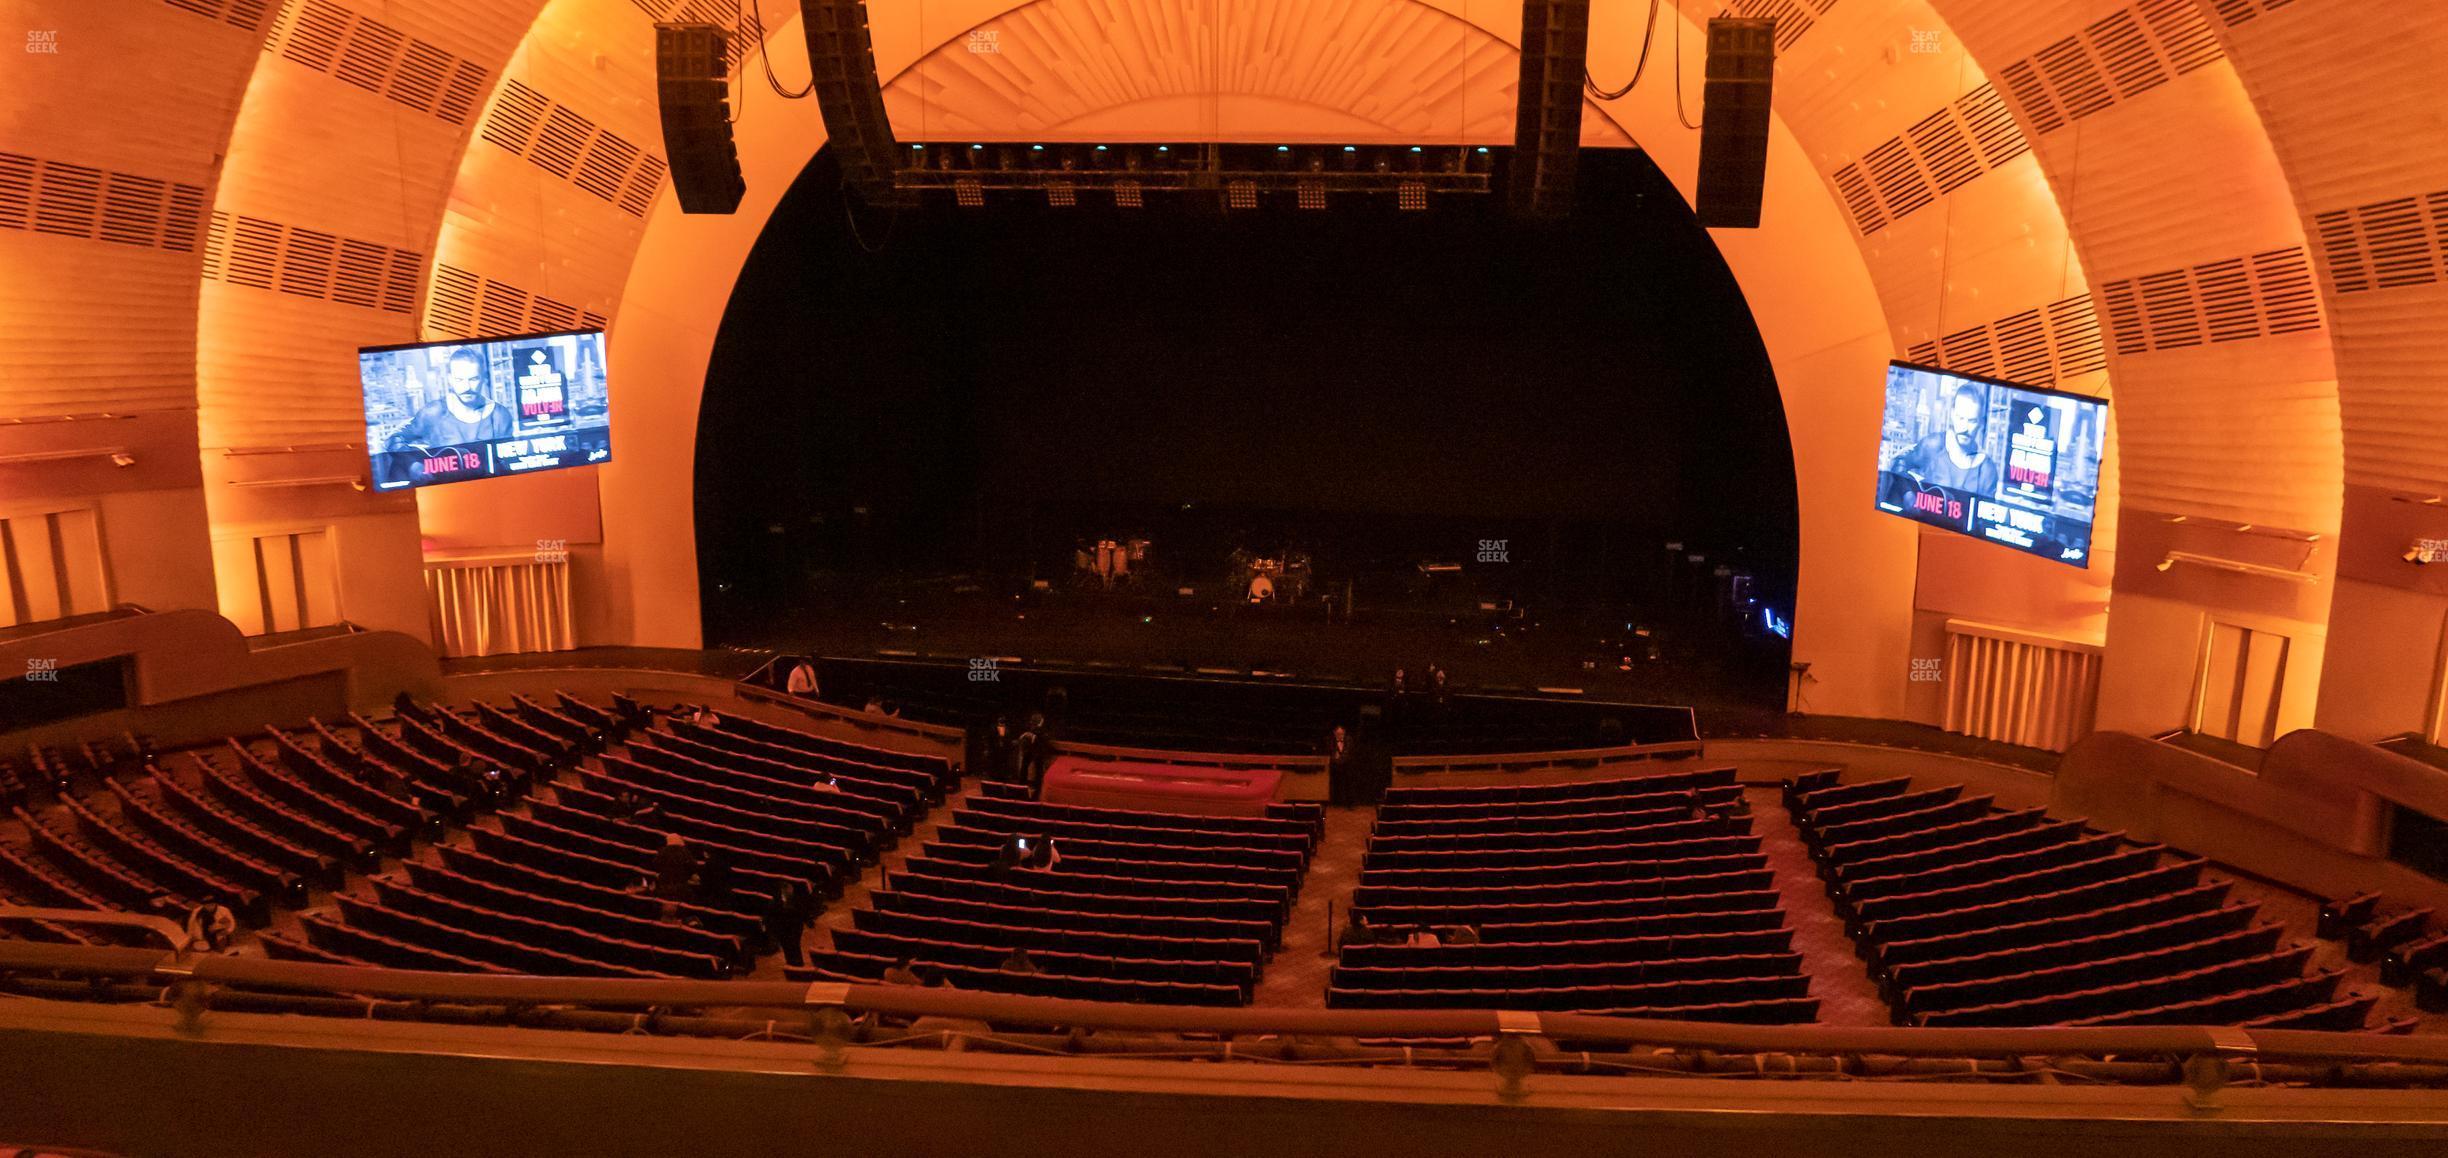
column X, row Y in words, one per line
column 263, row 821
column 557, row 885
column 1975, row 915
column 2409, row 946
column 522, row 836
column 1140, row 906
column 1647, row 896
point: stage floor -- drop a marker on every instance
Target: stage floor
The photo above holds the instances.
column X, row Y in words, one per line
column 1060, row 627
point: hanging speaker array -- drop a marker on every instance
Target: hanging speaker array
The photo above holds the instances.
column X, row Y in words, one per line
column 1547, row 113
column 1734, row 122
column 842, row 69
column 692, row 90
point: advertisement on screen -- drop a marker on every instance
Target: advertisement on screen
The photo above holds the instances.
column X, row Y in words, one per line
column 2013, row 465
column 443, row 412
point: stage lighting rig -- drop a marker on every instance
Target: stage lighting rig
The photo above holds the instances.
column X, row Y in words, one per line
column 1239, row 176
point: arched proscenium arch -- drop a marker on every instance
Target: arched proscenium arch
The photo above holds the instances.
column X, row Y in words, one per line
column 1809, row 292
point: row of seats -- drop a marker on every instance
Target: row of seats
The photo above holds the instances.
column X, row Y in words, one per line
column 559, row 887
column 1975, row 915
column 1135, row 906
column 2409, row 947
column 254, row 824
column 1646, row 896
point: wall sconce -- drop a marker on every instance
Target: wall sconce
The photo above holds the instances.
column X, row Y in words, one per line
column 117, row 454
column 353, row 482
column 2237, row 566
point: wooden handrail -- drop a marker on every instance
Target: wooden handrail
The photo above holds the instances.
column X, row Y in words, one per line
column 904, row 1001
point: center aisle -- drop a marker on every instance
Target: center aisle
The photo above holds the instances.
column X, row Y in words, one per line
column 837, row 914
column 1839, row 979
column 1297, row 976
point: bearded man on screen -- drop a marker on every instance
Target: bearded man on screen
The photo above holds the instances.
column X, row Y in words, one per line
column 466, row 412
column 1957, row 457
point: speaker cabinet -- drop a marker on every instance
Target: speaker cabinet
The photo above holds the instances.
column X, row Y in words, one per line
column 692, row 90
column 841, row 60
column 1734, row 122
column 1547, row 111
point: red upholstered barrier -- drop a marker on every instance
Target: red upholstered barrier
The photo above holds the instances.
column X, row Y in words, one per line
column 1160, row 787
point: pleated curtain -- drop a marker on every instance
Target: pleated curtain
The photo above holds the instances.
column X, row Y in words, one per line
column 2020, row 690
column 499, row 606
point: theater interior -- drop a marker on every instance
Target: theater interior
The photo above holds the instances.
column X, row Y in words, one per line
column 1129, row 577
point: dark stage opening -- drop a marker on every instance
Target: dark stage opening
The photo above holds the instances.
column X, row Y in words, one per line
column 1480, row 436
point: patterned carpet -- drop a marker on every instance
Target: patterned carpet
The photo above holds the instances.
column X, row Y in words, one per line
column 1838, row 977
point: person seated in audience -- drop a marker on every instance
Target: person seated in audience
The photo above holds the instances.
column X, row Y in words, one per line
column 714, row 876
column 1423, row 938
column 1359, row 930
column 675, row 871
column 785, row 921
column 403, row 704
column 628, row 806
column 1018, row 964
column 1461, row 935
column 1024, row 853
column 900, row 973
column 801, row 681
column 875, row 706
column 210, row 927
column 1008, row 857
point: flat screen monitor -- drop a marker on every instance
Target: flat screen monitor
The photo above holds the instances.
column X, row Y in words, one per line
column 2013, row 465
column 443, row 412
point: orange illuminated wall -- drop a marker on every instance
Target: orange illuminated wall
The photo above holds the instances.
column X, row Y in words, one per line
column 2176, row 203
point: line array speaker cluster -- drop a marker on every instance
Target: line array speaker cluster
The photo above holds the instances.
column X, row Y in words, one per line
column 1734, row 122
column 692, row 91
column 1547, row 112
column 841, row 61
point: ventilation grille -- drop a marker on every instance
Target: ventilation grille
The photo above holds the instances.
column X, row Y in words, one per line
column 67, row 200
column 2042, row 344
column 2119, row 57
column 528, row 124
column 2259, row 296
column 378, row 58
column 2383, row 245
column 247, row 14
column 1941, row 154
column 469, row 305
column 2236, row 12
column 1793, row 17
column 308, row 263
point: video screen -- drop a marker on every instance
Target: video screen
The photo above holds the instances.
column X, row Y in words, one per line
column 443, row 412
column 2015, row 465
